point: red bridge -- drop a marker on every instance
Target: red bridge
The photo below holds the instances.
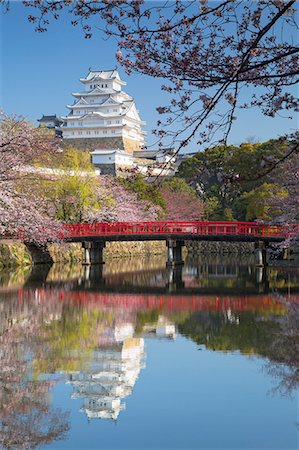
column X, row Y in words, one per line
column 247, row 231
column 143, row 302
column 95, row 235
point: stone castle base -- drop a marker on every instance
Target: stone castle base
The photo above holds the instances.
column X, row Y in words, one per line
column 116, row 170
column 108, row 143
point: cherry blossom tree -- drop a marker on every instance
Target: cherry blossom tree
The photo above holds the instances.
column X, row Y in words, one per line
column 20, row 145
column 118, row 204
column 284, row 360
column 208, row 52
column 182, row 202
column 27, row 418
column 289, row 179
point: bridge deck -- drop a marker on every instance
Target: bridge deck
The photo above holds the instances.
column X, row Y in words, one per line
column 213, row 231
column 180, row 237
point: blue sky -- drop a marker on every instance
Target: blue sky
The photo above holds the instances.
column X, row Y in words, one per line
column 39, row 72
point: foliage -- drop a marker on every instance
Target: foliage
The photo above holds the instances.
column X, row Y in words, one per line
column 227, row 178
column 247, row 333
column 288, row 177
column 76, row 194
column 67, row 158
column 146, row 317
column 259, row 201
column 72, row 189
column 178, row 185
column 121, row 204
column 182, row 204
column 208, row 52
column 77, row 329
column 148, row 192
column 28, row 420
column 284, row 363
column 20, row 145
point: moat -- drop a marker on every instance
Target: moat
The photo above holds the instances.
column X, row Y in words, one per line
column 134, row 355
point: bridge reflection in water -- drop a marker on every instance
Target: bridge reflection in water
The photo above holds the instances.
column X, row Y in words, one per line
column 91, row 325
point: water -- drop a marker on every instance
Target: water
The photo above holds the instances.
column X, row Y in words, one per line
column 137, row 356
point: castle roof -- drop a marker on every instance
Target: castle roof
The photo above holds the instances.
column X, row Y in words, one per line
column 96, row 91
column 48, row 118
column 102, row 75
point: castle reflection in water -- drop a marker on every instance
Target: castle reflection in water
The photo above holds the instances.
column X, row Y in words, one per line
column 111, row 378
column 92, row 327
column 114, row 369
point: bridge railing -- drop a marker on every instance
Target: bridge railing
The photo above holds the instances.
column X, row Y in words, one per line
column 179, row 228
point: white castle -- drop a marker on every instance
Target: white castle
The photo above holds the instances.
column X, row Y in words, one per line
column 110, row 378
column 103, row 116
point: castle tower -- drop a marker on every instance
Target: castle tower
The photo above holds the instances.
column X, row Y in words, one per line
column 109, row 379
column 103, row 116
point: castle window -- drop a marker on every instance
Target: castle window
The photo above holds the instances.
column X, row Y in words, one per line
column 104, row 131
column 87, row 132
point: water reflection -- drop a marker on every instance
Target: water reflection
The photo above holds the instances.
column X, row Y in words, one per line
column 27, row 418
column 87, row 327
column 109, row 379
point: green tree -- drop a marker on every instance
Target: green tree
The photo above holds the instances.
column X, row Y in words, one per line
column 248, row 334
column 258, row 201
column 72, row 190
column 71, row 339
column 223, row 174
column 178, row 185
column 145, row 191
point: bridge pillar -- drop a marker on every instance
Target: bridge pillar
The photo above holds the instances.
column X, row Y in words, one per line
column 93, row 276
column 93, row 252
column 39, row 254
column 174, row 252
column 262, row 279
column 260, row 254
column 174, row 278
column 38, row 274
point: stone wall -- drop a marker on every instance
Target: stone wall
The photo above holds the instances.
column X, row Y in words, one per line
column 114, row 169
column 91, row 144
column 210, row 247
column 16, row 254
column 108, row 143
column 131, row 145
column 120, row 249
column 107, row 169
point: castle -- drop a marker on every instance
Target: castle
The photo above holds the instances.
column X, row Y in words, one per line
column 104, row 120
column 103, row 116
